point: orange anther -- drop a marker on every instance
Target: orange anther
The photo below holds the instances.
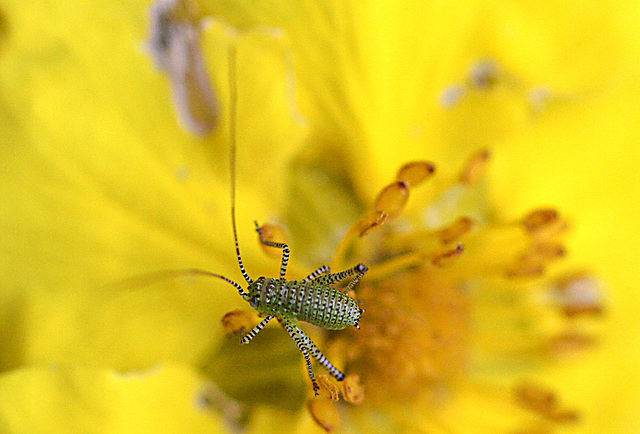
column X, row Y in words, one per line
column 237, row 322
column 352, row 390
column 328, row 387
column 455, row 230
column 325, row 413
column 549, row 250
column 536, row 398
column 570, row 343
column 415, row 172
column 445, row 258
column 475, row 168
column 525, row 268
column 392, row 198
column 540, row 219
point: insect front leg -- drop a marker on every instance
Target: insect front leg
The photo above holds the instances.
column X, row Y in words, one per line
column 321, row 270
column 315, row 352
column 359, row 270
column 283, row 246
column 247, row 338
column 300, row 341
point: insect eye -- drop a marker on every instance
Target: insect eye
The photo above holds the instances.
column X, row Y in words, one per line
column 253, row 302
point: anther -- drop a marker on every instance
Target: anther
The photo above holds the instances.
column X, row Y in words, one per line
column 329, row 387
column 536, row 398
column 415, row 172
column 237, row 322
column 392, row 199
column 525, row 268
column 540, row 219
column 570, row 343
column 579, row 295
column 352, row 390
column 371, row 221
column 445, row 258
column 325, row 413
column 455, row 230
column 475, row 168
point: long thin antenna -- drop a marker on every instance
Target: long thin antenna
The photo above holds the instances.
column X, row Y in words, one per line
column 233, row 114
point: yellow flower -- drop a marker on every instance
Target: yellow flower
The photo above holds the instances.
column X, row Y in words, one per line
column 101, row 183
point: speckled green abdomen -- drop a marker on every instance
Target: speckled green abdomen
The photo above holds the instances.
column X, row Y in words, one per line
column 313, row 302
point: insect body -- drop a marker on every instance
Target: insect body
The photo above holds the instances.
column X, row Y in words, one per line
column 313, row 299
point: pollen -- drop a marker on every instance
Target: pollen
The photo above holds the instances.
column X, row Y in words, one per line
column 454, row 288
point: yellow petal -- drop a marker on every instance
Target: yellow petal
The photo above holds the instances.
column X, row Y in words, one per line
column 100, row 183
column 59, row 400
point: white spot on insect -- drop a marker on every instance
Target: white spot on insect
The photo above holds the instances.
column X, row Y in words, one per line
column 174, row 45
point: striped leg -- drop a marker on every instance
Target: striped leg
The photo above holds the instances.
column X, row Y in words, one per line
column 329, row 279
column 321, row 270
column 283, row 246
column 255, row 330
column 315, row 352
column 361, row 269
column 303, row 349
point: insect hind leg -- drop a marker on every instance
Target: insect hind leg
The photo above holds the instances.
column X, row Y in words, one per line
column 283, row 246
column 247, row 338
column 319, row 271
column 315, row 352
column 359, row 270
column 300, row 341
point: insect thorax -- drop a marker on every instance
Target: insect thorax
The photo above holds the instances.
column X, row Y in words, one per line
column 318, row 304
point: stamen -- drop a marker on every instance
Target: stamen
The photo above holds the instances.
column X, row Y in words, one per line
column 536, row 398
column 455, row 230
column 543, row 402
column 580, row 295
column 352, row 390
column 414, row 173
column 540, row 219
column 475, row 168
column 392, row 199
column 448, row 257
column 570, row 343
column 371, row 221
column 237, row 322
column 525, row 268
column 328, row 388
column 325, row 413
